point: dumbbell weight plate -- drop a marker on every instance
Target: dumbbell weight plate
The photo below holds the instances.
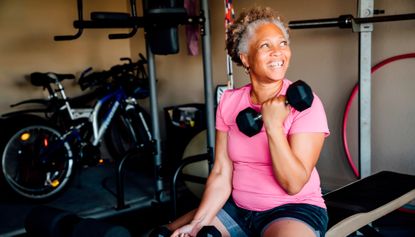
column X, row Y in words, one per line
column 248, row 122
column 300, row 94
column 209, row 231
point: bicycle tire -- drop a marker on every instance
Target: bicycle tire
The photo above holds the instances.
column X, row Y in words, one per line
column 126, row 132
column 36, row 163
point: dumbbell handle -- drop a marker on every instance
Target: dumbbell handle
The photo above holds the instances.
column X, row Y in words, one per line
column 206, row 231
column 299, row 95
column 259, row 116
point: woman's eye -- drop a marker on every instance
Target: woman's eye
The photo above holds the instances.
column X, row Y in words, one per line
column 284, row 43
column 264, row 45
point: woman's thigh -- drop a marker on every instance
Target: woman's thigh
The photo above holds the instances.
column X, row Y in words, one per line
column 289, row 227
column 292, row 218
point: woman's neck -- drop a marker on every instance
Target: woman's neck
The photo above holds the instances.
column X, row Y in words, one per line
column 262, row 92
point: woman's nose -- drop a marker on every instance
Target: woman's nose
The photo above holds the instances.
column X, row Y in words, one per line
column 276, row 51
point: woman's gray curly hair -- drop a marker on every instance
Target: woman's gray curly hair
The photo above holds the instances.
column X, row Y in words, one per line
column 242, row 29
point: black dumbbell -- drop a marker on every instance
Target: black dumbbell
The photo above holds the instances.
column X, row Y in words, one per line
column 209, row 231
column 48, row 221
column 160, row 231
column 206, row 231
column 299, row 95
column 89, row 227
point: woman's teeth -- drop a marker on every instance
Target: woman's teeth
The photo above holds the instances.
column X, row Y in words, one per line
column 277, row 64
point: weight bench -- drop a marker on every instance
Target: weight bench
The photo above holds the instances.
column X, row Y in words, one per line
column 350, row 208
column 355, row 206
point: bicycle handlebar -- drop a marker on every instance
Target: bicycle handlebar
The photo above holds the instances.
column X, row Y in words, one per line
column 120, row 73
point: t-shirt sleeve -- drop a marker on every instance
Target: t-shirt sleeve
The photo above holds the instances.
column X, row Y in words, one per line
column 312, row 119
column 220, row 121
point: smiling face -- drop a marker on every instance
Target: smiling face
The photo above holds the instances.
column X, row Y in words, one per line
column 268, row 54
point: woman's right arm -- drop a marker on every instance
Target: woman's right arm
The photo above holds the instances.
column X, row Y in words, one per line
column 217, row 190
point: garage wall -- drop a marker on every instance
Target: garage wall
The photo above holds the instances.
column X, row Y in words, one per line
column 26, row 44
column 326, row 58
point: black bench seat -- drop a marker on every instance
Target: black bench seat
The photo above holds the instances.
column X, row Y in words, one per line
column 360, row 203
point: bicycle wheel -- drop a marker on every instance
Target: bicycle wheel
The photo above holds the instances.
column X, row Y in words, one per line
column 127, row 132
column 36, row 163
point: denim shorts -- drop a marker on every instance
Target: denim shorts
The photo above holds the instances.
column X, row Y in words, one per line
column 240, row 222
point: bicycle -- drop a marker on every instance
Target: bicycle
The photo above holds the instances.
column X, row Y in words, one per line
column 39, row 157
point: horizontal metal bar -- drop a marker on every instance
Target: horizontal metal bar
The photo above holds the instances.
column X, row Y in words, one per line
column 102, row 24
column 375, row 19
column 139, row 22
column 346, row 21
column 342, row 21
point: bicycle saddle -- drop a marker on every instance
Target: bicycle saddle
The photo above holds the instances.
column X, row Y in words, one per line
column 44, row 79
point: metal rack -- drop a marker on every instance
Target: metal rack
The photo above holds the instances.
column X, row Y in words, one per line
column 363, row 25
column 159, row 18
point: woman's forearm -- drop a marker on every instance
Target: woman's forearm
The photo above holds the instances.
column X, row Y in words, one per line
column 217, row 192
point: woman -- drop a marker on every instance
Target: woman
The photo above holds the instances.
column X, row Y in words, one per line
column 265, row 185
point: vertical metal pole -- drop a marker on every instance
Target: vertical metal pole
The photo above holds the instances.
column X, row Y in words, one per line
column 155, row 123
column 365, row 9
column 208, row 83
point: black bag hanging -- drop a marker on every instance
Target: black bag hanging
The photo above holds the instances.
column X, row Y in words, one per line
column 163, row 40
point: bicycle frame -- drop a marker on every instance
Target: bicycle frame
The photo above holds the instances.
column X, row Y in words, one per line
column 92, row 114
column 99, row 130
column 71, row 131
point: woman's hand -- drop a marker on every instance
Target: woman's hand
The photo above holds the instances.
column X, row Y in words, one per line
column 189, row 230
column 274, row 112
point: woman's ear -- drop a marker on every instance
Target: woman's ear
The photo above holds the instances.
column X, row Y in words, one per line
column 244, row 60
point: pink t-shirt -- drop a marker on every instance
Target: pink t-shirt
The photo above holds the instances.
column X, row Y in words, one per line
column 253, row 185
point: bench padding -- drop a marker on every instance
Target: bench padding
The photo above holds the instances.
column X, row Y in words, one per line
column 360, row 203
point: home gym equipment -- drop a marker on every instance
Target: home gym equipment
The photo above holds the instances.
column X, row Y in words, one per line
column 299, row 96
column 365, row 10
column 163, row 40
column 209, row 231
column 46, row 221
column 195, row 174
column 194, row 169
column 183, row 122
column 160, row 231
column 363, row 24
column 347, row 21
column 206, row 231
column 157, row 18
column 89, row 227
column 350, row 102
column 351, row 208
column 355, row 206
column 229, row 18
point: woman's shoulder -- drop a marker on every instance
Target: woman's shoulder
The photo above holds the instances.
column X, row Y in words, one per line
column 232, row 99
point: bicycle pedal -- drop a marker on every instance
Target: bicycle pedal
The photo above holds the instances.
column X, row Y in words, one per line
column 91, row 161
column 104, row 161
column 91, row 156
